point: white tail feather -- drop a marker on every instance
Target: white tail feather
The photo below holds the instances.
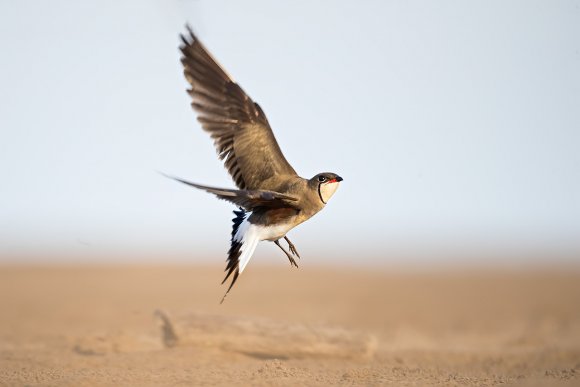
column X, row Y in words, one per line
column 249, row 235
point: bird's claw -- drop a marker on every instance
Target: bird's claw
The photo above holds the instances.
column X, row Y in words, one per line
column 290, row 257
column 292, row 248
column 293, row 251
column 293, row 262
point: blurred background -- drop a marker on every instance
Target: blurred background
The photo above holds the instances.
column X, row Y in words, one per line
column 456, row 126
column 450, row 254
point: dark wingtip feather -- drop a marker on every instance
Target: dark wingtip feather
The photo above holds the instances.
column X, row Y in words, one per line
column 190, row 30
column 187, row 39
column 184, row 41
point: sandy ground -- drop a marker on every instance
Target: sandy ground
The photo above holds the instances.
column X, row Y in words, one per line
column 163, row 325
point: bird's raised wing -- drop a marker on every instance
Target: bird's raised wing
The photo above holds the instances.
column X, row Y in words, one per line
column 247, row 199
column 238, row 126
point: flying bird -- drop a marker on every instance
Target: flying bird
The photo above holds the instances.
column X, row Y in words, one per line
column 271, row 197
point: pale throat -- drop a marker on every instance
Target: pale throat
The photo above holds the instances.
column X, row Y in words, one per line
column 327, row 190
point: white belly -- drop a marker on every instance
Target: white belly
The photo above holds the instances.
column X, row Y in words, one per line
column 273, row 233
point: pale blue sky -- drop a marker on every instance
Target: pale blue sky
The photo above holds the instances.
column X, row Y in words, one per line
column 455, row 124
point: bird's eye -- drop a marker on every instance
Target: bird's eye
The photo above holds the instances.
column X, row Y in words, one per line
column 321, row 179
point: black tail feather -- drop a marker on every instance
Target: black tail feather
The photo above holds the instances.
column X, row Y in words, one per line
column 233, row 260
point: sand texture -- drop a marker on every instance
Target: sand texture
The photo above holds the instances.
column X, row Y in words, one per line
column 163, row 325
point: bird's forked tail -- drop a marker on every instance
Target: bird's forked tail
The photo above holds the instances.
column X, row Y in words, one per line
column 245, row 238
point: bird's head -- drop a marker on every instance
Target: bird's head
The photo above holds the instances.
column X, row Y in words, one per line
column 326, row 184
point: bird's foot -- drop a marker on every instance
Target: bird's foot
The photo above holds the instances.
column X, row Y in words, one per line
column 292, row 261
column 292, row 247
column 290, row 257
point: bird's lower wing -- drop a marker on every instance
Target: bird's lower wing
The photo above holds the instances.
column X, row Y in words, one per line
column 247, row 199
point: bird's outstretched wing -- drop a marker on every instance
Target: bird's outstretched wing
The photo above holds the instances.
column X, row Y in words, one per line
column 247, row 199
column 241, row 133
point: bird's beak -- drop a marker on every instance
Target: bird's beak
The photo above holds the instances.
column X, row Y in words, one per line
column 338, row 178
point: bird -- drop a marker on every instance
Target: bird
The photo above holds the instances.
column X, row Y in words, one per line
column 272, row 198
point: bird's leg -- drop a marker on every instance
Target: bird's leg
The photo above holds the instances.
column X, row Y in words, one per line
column 292, row 261
column 292, row 247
